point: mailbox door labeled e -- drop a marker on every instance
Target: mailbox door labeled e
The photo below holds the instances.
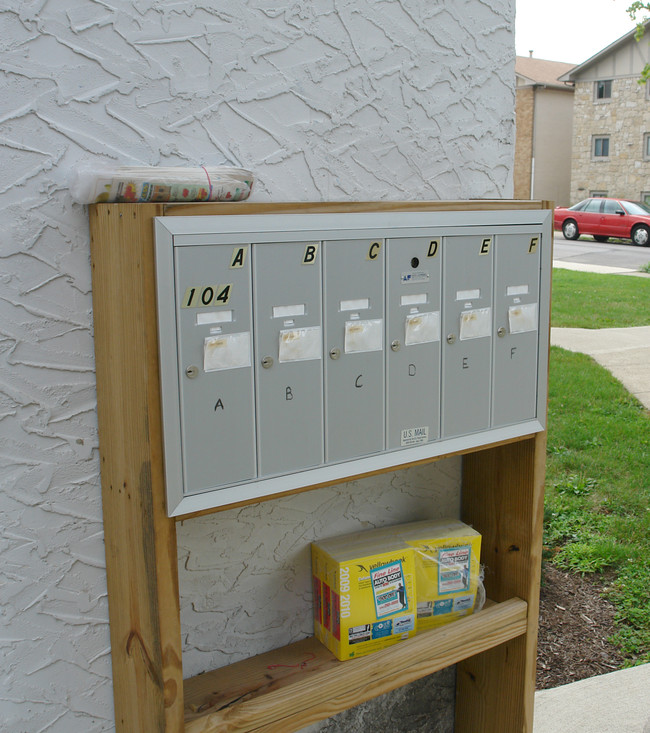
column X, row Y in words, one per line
column 354, row 342
column 467, row 334
column 516, row 328
column 213, row 288
column 289, row 355
column 413, row 340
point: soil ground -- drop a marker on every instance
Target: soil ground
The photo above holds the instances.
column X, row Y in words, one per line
column 575, row 623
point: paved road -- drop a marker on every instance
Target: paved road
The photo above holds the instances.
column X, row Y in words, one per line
column 588, row 252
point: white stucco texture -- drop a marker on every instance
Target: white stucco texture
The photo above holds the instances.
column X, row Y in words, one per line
column 321, row 99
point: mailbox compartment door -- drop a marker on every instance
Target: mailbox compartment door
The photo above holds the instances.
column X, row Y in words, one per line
column 413, row 301
column 467, row 333
column 214, row 324
column 289, row 355
column 354, row 344
column 516, row 328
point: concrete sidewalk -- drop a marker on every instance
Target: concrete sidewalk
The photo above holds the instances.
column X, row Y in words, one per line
column 618, row 702
column 625, row 352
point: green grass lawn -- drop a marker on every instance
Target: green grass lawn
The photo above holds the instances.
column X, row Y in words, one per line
column 587, row 300
column 597, row 508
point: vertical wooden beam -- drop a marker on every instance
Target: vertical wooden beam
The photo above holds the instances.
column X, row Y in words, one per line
column 503, row 498
column 140, row 540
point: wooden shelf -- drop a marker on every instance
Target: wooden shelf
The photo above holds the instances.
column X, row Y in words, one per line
column 289, row 688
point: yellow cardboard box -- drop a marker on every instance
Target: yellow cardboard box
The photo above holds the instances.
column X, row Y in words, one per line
column 447, row 571
column 375, row 588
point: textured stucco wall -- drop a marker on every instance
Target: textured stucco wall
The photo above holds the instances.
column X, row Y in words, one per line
column 341, row 99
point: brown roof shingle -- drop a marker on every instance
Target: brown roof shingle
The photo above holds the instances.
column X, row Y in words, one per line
column 540, row 71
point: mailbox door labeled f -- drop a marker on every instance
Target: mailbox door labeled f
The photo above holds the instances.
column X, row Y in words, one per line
column 516, row 328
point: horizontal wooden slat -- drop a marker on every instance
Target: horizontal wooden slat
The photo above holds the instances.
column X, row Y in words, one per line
column 289, row 688
column 311, row 207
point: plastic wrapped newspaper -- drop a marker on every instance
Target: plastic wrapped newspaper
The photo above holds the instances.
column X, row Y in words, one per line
column 91, row 184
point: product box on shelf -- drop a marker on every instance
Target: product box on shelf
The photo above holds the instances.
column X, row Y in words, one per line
column 375, row 588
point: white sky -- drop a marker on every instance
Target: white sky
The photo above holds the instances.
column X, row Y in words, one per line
column 569, row 30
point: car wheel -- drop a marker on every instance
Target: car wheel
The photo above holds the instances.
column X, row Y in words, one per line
column 570, row 229
column 641, row 235
column 600, row 238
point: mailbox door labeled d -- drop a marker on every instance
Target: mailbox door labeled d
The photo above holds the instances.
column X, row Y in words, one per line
column 516, row 327
column 213, row 295
column 289, row 355
column 467, row 334
column 354, row 343
column 413, row 340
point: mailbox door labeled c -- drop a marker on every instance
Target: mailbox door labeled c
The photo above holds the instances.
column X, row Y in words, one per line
column 214, row 323
column 354, row 347
column 516, row 328
column 413, row 340
column 289, row 355
column 467, row 334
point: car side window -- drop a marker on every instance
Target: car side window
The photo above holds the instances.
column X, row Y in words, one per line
column 593, row 206
column 611, row 207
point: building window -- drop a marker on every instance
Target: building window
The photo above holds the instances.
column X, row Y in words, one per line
column 646, row 146
column 598, row 194
column 603, row 89
column 645, row 197
column 601, row 146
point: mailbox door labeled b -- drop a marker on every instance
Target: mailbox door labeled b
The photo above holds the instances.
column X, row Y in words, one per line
column 289, row 355
column 214, row 324
column 516, row 328
column 413, row 340
column 354, row 347
column 467, row 334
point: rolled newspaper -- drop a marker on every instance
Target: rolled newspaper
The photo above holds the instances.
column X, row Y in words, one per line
column 90, row 184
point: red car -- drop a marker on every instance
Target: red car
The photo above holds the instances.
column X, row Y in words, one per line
column 604, row 218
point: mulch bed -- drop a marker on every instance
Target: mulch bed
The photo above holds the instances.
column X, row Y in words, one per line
column 574, row 625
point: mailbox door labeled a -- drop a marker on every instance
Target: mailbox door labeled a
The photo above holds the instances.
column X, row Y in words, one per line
column 467, row 334
column 289, row 355
column 413, row 340
column 354, row 347
column 516, row 328
column 214, row 319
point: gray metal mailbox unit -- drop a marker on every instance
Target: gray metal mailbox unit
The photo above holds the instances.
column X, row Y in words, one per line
column 299, row 349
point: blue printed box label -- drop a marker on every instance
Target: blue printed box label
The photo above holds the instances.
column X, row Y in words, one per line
column 454, row 569
column 388, row 589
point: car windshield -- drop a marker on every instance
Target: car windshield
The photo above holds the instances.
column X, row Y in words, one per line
column 636, row 208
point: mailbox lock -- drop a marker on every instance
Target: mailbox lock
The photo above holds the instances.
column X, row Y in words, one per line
column 267, row 362
column 335, row 353
column 192, row 372
column 395, row 346
column 451, row 338
column 501, row 332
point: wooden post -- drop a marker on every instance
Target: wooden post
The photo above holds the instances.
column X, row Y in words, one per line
column 140, row 539
column 503, row 498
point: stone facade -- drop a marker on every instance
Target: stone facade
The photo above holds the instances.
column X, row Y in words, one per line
column 625, row 119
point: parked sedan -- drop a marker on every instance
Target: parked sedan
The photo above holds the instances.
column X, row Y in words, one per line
column 604, row 218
